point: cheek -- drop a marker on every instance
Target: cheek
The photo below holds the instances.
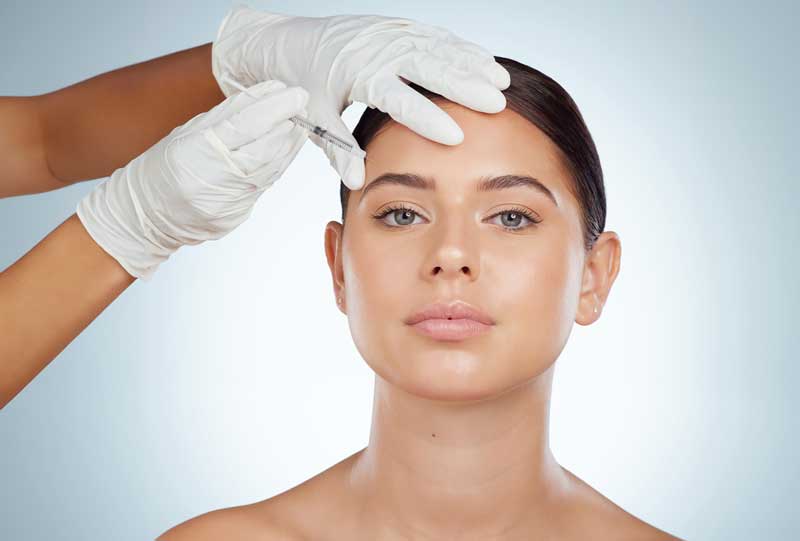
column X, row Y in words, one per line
column 540, row 296
column 377, row 285
column 383, row 286
column 527, row 283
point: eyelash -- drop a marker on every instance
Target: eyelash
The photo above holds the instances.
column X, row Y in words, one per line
column 516, row 210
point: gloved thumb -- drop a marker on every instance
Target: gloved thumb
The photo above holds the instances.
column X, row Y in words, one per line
column 349, row 166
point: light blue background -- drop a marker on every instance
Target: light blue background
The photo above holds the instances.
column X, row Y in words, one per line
column 232, row 376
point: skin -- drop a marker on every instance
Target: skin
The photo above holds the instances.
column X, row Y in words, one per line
column 81, row 132
column 459, row 445
column 88, row 129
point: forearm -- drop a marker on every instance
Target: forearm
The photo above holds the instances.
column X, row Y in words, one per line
column 23, row 165
column 89, row 129
column 48, row 297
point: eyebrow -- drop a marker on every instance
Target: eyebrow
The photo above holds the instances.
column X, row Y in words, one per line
column 485, row 184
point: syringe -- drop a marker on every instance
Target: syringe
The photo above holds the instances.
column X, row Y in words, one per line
column 305, row 124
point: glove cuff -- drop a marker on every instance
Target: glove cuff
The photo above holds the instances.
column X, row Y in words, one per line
column 113, row 217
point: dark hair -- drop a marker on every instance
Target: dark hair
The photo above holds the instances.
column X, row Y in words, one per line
column 543, row 102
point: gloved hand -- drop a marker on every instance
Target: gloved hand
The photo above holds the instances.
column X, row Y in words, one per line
column 199, row 182
column 346, row 58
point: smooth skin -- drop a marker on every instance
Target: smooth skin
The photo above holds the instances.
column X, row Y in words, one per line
column 459, row 433
column 81, row 132
column 459, row 444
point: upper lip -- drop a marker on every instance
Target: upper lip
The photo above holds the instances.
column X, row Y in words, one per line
column 456, row 309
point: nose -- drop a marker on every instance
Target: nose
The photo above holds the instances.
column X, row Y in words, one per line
column 445, row 271
column 454, row 255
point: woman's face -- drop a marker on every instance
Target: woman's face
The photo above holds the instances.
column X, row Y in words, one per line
column 455, row 244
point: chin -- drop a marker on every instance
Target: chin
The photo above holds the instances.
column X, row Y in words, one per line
column 448, row 373
column 461, row 394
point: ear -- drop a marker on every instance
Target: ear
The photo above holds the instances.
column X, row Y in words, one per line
column 599, row 272
column 334, row 234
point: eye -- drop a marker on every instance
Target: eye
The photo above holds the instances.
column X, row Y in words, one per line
column 517, row 215
column 399, row 212
column 405, row 216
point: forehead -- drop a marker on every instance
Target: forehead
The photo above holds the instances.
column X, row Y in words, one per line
column 494, row 144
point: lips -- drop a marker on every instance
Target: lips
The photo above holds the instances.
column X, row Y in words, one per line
column 451, row 329
column 452, row 310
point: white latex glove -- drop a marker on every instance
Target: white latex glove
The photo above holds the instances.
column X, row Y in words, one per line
column 346, row 58
column 199, row 182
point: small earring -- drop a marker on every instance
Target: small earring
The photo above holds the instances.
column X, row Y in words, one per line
column 339, row 300
column 595, row 309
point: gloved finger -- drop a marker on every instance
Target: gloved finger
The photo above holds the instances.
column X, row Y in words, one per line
column 258, row 90
column 270, row 148
column 469, row 88
column 349, row 166
column 262, row 116
column 407, row 106
column 263, row 150
column 275, row 169
column 354, row 171
column 466, row 56
column 294, row 149
column 234, row 104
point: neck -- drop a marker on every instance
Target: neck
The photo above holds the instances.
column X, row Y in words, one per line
column 436, row 468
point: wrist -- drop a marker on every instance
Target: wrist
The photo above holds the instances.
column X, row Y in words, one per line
column 113, row 215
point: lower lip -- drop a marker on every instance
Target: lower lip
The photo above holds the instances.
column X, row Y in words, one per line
column 451, row 329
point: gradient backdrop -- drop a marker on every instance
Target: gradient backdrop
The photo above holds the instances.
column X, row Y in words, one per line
column 232, row 376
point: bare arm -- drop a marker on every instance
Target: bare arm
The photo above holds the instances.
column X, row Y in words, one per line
column 48, row 297
column 81, row 132
column 89, row 129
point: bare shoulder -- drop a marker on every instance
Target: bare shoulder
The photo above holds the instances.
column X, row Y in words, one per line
column 594, row 512
column 632, row 528
column 252, row 522
column 291, row 515
column 619, row 525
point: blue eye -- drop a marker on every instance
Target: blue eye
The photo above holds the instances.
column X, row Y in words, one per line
column 518, row 214
column 393, row 210
column 408, row 213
